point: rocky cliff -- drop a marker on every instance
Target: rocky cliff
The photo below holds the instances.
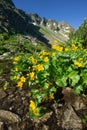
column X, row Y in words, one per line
column 16, row 20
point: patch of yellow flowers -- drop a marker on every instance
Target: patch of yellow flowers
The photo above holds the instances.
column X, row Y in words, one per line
column 22, row 80
column 15, row 60
column 33, row 60
column 58, row 48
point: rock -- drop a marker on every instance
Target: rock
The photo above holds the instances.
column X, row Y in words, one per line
column 1, row 126
column 71, row 98
column 70, row 120
column 40, row 123
column 9, row 117
column 2, row 94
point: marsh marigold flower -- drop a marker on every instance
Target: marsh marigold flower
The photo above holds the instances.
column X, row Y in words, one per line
column 32, row 105
column 77, row 64
column 39, row 67
column 20, row 84
column 35, row 111
column 32, row 76
column 23, row 79
column 43, row 53
column 74, row 47
column 33, row 60
column 51, row 96
column 53, row 54
column 54, row 46
column 58, row 48
column 16, row 59
column 16, row 69
column 66, row 49
column 80, row 59
column 56, row 41
column 16, row 77
column 46, row 59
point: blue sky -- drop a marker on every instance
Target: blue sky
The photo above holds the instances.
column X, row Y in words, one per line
column 71, row 11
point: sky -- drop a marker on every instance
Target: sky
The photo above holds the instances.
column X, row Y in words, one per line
column 70, row 11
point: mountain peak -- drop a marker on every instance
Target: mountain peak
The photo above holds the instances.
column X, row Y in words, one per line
column 16, row 20
column 10, row 2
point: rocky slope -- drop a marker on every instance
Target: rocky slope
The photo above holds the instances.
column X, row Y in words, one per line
column 67, row 114
column 16, row 20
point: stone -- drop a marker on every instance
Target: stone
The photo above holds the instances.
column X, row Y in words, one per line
column 70, row 120
column 2, row 94
column 9, row 117
column 1, row 126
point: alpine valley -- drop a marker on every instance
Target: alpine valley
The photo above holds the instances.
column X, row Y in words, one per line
column 29, row 27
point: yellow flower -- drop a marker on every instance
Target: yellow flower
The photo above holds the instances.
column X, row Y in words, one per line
column 41, row 57
column 81, row 48
column 33, row 60
column 29, row 67
column 16, row 77
column 16, row 69
column 54, row 46
column 74, row 47
column 51, row 96
column 56, row 41
column 20, row 84
column 46, row 59
column 77, row 64
column 43, row 53
column 86, row 53
column 16, row 58
column 66, row 49
column 23, row 79
column 5, row 87
column 14, row 62
column 32, row 105
column 40, row 67
column 32, row 76
column 58, row 48
column 27, row 74
column 53, row 54
column 80, row 59
column 35, row 111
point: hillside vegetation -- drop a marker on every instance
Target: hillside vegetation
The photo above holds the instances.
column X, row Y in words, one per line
column 43, row 72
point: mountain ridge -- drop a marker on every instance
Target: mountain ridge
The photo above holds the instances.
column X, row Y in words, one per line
column 18, row 21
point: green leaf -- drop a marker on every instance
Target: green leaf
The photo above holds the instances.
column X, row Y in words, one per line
column 34, row 91
column 46, row 66
column 52, row 89
column 78, row 89
column 40, row 97
column 45, row 74
column 46, row 86
column 1, row 71
column 61, row 81
column 74, row 77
